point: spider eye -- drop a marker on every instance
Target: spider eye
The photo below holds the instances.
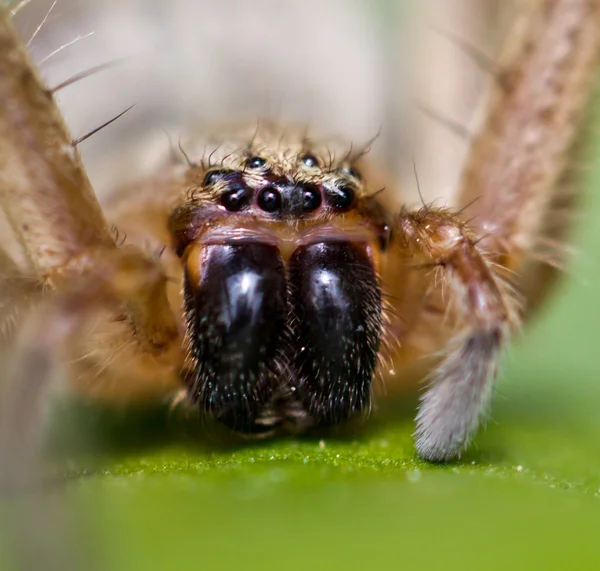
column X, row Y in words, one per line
column 236, row 199
column 256, row 162
column 311, row 198
column 309, row 160
column 269, row 199
column 212, row 176
column 341, row 196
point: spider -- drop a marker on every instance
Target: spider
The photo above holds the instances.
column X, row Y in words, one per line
column 288, row 283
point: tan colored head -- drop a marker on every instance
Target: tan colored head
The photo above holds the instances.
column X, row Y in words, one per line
column 280, row 240
column 278, row 184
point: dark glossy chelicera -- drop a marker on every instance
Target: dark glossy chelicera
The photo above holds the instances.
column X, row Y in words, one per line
column 236, row 322
column 337, row 309
column 269, row 336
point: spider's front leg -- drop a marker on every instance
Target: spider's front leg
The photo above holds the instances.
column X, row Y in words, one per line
column 485, row 311
column 51, row 206
column 49, row 201
column 44, row 190
column 511, row 179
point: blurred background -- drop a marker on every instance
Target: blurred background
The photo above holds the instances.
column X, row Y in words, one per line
column 142, row 492
column 344, row 68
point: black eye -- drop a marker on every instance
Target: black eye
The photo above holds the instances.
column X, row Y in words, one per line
column 341, row 196
column 311, row 198
column 309, row 160
column 269, row 199
column 256, row 163
column 212, row 176
column 236, row 199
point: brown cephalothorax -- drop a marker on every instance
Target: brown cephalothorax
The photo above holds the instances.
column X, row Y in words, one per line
column 285, row 282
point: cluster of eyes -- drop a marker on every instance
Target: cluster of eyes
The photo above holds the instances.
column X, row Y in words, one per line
column 269, row 199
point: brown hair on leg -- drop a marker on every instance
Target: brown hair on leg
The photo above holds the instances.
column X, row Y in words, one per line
column 44, row 190
column 538, row 104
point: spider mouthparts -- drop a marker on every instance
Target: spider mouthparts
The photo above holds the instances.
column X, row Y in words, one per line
column 337, row 307
column 235, row 309
column 257, row 329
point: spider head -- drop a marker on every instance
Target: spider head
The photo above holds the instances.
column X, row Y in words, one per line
column 279, row 243
column 279, row 184
column 274, row 179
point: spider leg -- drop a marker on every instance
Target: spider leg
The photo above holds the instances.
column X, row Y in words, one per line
column 514, row 169
column 484, row 310
column 537, row 106
column 36, row 367
column 44, row 190
column 33, row 376
column 18, row 291
column 50, row 203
